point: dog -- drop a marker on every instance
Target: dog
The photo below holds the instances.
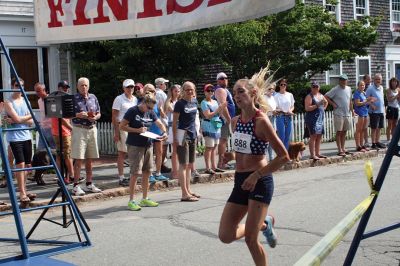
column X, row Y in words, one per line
column 296, row 150
column 41, row 158
column 229, row 156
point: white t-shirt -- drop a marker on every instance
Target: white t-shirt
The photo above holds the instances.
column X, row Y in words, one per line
column 284, row 101
column 271, row 103
column 44, row 121
column 122, row 104
column 161, row 97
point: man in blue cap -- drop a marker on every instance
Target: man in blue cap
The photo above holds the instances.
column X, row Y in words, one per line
column 340, row 99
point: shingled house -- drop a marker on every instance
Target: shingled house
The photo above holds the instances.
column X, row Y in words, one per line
column 384, row 56
column 33, row 63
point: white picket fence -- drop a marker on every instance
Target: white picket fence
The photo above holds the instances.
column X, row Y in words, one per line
column 107, row 145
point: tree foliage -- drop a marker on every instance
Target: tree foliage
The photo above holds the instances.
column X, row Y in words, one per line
column 281, row 39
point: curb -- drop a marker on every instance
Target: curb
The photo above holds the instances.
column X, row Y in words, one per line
column 204, row 178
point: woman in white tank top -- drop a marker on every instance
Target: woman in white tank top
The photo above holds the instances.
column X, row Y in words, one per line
column 392, row 110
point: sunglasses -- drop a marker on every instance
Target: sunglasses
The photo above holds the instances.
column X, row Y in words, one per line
column 222, row 78
column 130, row 87
column 315, row 86
column 283, row 85
column 209, row 90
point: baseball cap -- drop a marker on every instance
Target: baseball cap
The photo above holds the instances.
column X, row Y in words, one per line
column 344, row 76
column 207, row 86
column 161, row 81
column 138, row 86
column 128, row 82
column 63, row 83
column 221, row 75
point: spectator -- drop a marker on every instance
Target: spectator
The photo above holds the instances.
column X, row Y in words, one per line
column 139, row 92
column 150, row 89
column 360, row 102
column 211, row 128
column 138, row 119
column 84, row 135
column 66, row 129
column 18, row 116
column 376, row 111
column 284, row 109
column 315, row 105
column 392, row 110
column 367, row 81
column 184, row 135
column 222, row 95
column 271, row 103
column 120, row 105
column 161, row 146
column 173, row 97
column 340, row 99
column 45, row 123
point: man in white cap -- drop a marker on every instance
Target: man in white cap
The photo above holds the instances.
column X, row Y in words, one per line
column 222, row 95
column 121, row 104
column 160, row 147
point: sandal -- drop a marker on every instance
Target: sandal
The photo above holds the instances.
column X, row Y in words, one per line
column 24, row 199
column 209, row 171
column 343, row 154
column 2, row 203
column 31, row 196
column 322, row 156
column 195, row 195
column 190, row 199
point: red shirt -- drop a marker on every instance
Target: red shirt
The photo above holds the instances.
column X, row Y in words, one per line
column 54, row 128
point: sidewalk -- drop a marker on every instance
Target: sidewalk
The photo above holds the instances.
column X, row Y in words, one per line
column 105, row 175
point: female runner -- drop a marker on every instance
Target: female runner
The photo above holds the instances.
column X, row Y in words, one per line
column 253, row 187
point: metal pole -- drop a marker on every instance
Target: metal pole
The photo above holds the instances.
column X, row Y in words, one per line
column 392, row 150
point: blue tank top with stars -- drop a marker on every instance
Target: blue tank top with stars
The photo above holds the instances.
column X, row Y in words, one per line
column 245, row 140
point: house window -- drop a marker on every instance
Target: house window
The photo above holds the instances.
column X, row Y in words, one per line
column 361, row 8
column 333, row 7
column 334, row 74
column 395, row 15
column 363, row 67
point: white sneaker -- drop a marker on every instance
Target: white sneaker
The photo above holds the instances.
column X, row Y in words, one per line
column 78, row 191
column 92, row 188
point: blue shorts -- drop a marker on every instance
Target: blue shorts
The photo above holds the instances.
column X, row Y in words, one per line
column 262, row 192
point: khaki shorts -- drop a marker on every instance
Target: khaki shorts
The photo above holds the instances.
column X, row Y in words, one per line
column 140, row 159
column 210, row 142
column 121, row 144
column 84, row 143
column 225, row 131
column 341, row 123
column 66, row 143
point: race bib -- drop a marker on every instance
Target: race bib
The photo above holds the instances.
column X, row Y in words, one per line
column 241, row 142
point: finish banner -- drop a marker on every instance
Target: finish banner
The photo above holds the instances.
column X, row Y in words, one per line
column 61, row 21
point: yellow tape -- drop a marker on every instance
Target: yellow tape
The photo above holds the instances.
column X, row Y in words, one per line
column 322, row 249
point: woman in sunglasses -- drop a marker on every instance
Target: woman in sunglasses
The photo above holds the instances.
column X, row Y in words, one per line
column 284, row 112
column 254, row 185
column 315, row 105
column 211, row 128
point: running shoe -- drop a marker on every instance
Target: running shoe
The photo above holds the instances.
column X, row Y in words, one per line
column 269, row 232
column 160, row 177
column 380, row 145
column 152, row 179
column 133, row 206
column 78, row 191
column 124, row 182
column 209, row 171
column 148, row 203
column 196, row 174
column 92, row 188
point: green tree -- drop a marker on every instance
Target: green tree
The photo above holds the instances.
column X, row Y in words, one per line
column 281, row 39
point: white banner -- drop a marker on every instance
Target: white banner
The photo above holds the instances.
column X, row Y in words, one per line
column 60, row 21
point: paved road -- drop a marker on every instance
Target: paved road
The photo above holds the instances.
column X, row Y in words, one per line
column 307, row 204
